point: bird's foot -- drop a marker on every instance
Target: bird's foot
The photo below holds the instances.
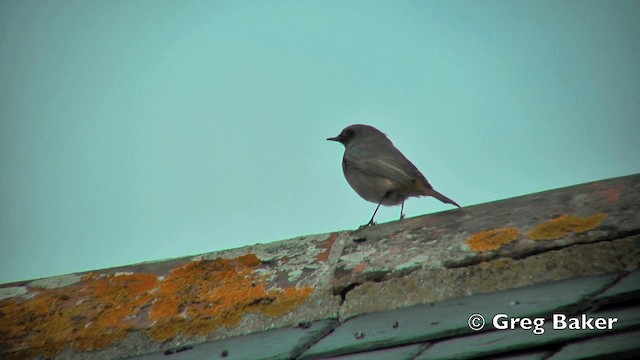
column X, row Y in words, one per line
column 401, row 216
column 370, row 223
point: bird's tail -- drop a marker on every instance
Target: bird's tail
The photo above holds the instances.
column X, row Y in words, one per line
column 437, row 195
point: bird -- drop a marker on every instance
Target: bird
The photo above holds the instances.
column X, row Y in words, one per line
column 379, row 172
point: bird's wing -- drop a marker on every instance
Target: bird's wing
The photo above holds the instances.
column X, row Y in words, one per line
column 395, row 168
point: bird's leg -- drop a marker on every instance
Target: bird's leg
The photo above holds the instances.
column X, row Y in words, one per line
column 371, row 222
column 402, row 210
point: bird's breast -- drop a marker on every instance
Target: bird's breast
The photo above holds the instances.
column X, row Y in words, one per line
column 373, row 188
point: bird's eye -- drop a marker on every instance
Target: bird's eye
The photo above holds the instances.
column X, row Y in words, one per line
column 350, row 132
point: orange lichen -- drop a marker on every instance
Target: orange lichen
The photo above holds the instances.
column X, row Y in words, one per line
column 194, row 299
column 286, row 300
column 360, row 267
column 324, row 256
column 204, row 295
column 612, row 195
column 119, row 297
column 36, row 317
column 492, row 239
column 88, row 316
column 563, row 225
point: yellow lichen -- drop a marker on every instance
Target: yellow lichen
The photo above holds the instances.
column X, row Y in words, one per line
column 565, row 224
column 492, row 239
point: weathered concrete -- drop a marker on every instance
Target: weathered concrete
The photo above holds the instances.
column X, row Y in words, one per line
column 133, row 310
column 428, row 285
column 513, row 228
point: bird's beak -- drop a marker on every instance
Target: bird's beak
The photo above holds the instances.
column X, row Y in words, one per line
column 335, row 138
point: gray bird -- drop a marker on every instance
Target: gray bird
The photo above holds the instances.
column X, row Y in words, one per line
column 379, row 172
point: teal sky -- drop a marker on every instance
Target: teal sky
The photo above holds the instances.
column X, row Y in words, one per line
column 143, row 130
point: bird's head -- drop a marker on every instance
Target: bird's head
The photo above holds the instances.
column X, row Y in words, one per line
column 354, row 133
